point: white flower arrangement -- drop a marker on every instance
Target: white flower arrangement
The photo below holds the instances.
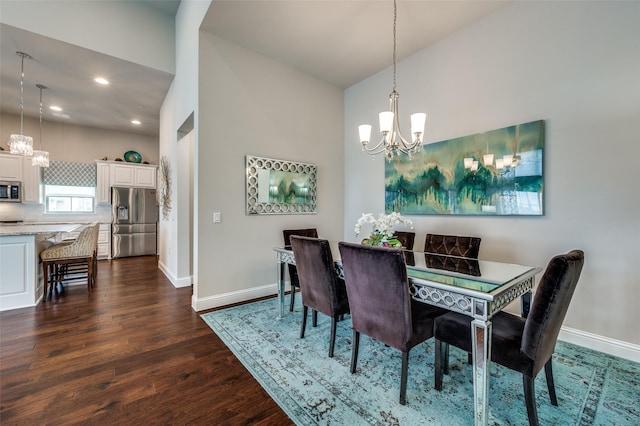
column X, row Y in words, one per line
column 382, row 229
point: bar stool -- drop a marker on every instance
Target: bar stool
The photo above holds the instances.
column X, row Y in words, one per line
column 68, row 261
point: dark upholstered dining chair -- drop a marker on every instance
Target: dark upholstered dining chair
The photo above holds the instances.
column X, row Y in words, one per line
column 381, row 306
column 521, row 344
column 452, row 245
column 321, row 288
column 293, row 274
column 407, row 239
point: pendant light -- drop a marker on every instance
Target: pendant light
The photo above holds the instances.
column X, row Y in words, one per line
column 40, row 158
column 21, row 144
column 392, row 142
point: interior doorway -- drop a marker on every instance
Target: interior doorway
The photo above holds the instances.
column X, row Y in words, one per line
column 185, row 203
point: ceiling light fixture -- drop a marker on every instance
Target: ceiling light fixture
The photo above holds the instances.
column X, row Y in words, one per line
column 55, row 108
column 392, row 142
column 136, row 122
column 21, row 144
column 40, row 158
column 101, row 80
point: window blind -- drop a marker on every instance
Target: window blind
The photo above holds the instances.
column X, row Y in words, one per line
column 66, row 173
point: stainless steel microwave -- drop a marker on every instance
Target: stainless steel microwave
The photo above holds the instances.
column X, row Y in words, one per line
column 10, row 191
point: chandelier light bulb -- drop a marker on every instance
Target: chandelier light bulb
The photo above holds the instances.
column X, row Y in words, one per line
column 364, row 131
column 386, row 121
column 417, row 125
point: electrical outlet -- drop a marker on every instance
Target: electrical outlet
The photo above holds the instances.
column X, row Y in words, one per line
column 217, row 217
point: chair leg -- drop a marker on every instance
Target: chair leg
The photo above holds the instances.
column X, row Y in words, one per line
column 45, row 272
column 403, row 378
column 305, row 310
column 530, row 399
column 89, row 274
column 354, row 350
column 314, row 317
column 293, row 298
column 548, row 371
column 332, row 341
column 95, row 269
column 446, row 358
column 439, row 366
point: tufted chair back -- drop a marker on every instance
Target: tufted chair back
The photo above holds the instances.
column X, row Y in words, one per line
column 452, row 245
column 406, row 238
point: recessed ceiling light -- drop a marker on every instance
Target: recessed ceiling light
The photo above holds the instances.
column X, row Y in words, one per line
column 55, row 108
column 135, row 122
column 101, row 80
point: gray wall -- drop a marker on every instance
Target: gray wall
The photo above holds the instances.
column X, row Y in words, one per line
column 250, row 104
column 574, row 65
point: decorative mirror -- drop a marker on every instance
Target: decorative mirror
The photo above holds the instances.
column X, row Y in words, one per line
column 280, row 186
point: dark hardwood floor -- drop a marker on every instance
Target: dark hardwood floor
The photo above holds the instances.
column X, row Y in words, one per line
column 132, row 352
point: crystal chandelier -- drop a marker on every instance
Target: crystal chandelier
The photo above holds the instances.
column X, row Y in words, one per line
column 392, row 142
column 40, row 158
column 21, row 144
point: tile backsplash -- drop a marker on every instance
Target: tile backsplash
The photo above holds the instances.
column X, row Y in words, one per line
column 32, row 212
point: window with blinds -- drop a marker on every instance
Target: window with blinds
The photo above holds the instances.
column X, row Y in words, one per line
column 69, row 187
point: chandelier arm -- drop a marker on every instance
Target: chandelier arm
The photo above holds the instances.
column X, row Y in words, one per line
column 378, row 149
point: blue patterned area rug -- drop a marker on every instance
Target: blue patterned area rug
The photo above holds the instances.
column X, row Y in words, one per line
column 593, row 388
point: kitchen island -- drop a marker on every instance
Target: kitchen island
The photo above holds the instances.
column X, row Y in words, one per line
column 21, row 283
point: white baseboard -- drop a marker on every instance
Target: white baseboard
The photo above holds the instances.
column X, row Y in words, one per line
column 219, row 300
column 177, row 282
column 600, row 343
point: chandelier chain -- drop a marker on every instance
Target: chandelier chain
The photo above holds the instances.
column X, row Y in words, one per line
column 21, row 94
column 395, row 18
column 40, row 86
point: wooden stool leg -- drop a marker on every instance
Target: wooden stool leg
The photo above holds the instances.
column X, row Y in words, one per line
column 89, row 273
column 45, row 277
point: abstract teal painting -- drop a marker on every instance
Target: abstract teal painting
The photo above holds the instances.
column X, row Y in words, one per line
column 499, row 172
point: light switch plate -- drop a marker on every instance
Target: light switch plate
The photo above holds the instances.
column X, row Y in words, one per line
column 217, row 217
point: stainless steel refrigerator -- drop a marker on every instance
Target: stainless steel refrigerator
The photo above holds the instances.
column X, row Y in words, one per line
column 135, row 219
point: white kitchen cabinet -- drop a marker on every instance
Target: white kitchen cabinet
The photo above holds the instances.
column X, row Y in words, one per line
column 11, row 167
column 31, row 182
column 145, row 177
column 121, row 175
column 139, row 175
column 103, row 183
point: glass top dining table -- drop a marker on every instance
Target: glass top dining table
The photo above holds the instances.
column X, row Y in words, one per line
column 473, row 287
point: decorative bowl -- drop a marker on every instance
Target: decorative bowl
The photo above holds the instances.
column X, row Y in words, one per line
column 132, row 157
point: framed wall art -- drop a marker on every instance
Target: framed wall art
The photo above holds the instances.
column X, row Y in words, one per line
column 499, row 172
column 280, row 186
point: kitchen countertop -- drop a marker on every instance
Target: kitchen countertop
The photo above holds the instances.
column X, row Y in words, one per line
column 37, row 228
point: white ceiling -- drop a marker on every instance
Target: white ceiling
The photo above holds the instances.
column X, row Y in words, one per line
column 341, row 42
